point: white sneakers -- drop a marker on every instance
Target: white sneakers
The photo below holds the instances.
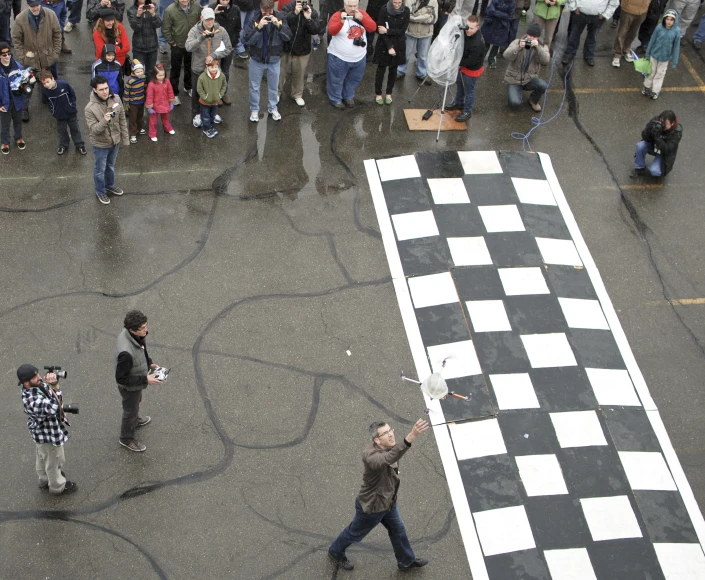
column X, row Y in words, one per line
column 615, row 62
column 299, row 101
column 172, row 132
column 197, row 121
column 177, row 101
column 275, row 114
column 153, row 139
column 217, row 119
column 68, row 27
column 628, row 57
column 254, row 116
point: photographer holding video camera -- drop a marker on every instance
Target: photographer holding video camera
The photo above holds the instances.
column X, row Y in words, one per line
column 42, row 400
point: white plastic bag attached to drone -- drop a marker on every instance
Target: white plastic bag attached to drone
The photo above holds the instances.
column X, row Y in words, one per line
column 446, row 51
column 435, row 386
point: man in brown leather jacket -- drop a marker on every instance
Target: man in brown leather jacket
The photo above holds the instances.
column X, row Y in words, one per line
column 377, row 501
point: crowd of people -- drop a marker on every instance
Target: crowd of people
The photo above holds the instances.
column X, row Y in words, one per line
column 277, row 40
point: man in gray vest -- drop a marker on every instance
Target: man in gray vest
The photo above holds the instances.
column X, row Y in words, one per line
column 132, row 376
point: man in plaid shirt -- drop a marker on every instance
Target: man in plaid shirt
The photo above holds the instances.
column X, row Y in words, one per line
column 47, row 425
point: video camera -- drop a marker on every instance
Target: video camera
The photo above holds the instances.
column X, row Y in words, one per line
column 57, row 371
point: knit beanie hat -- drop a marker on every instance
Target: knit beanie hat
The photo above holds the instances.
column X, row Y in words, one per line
column 534, row 30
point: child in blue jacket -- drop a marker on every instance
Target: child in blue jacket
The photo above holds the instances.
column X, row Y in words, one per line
column 110, row 68
column 61, row 99
column 12, row 99
column 664, row 46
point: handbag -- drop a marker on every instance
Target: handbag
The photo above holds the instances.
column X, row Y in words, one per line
column 643, row 65
column 127, row 67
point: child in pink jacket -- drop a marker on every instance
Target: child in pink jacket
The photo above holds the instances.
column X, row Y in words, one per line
column 160, row 100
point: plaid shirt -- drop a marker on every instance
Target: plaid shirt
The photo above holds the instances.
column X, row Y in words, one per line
column 44, row 421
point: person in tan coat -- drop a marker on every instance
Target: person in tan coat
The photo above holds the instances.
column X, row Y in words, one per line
column 107, row 126
column 36, row 36
column 633, row 14
column 377, row 501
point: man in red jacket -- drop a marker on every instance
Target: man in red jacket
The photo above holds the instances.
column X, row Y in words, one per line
column 347, row 53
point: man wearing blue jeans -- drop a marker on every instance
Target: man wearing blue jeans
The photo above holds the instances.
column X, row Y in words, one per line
column 659, row 138
column 526, row 56
column 470, row 68
column 699, row 35
column 424, row 14
column 377, row 501
column 265, row 38
column 107, row 125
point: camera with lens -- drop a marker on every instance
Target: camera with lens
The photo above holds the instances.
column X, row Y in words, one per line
column 70, row 408
column 359, row 42
column 527, row 42
column 210, row 33
column 57, row 370
column 463, row 26
column 304, row 5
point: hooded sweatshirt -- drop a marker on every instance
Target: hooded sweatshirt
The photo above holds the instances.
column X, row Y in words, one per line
column 61, row 100
column 665, row 43
column 112, row 71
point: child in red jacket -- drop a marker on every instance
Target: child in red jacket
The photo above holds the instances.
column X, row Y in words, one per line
column 160, row 100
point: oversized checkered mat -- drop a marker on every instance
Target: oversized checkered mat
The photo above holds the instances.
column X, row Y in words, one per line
column 559, row 466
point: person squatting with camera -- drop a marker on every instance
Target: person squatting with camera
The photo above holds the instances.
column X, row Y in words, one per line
column 16, row 84
column 526, row 56
column 659, row 138
column 132, row 375
column 42, row 400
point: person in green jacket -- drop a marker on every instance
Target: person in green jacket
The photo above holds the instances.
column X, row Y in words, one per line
column 546, row 13
column 179, row 18
column 211, row 87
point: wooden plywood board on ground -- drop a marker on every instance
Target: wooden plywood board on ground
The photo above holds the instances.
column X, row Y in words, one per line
column 416, row 123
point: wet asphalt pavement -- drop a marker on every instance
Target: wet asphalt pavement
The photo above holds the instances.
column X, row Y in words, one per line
column 257, row 259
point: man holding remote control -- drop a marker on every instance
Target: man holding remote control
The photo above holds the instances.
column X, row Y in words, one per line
column 132, row 374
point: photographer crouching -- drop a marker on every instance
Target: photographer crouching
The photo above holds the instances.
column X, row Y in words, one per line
column 47, row 424
column 659, row 138
column 526, row 56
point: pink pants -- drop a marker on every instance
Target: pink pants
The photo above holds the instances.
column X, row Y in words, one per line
column 153, row 123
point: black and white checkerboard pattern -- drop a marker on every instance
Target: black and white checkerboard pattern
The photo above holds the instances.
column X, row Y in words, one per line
column 559, row 467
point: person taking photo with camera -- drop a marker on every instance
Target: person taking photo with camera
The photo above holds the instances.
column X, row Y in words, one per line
column 107, row 126
column 526, row 56
column 659, row 138
column 42, row 400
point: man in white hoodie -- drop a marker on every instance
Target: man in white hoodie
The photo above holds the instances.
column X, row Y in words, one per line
column 591, row 14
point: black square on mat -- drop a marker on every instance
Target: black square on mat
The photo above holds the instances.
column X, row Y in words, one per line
column 458, row 220
column 594, row 471
column 557, row 521
column 570, row 282
column 500, row 352
column 630, row 430
column 544, row 221
column 535, row 314
column 561, row 389
column 480, row 404
column 406, row 195
column 491, row 482
column 522, row 164
column 424, row 256
column 665, row 517
column 493, row 189
column 595, row 348
column 629, row 559
column 477, row 283
column 509, row 249
column 524, row 565
column 442, row 324
column 528, row 432
column 439, row 164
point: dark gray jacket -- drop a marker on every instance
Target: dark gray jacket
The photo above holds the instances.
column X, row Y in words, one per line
column 144, row 29
column 131, row 362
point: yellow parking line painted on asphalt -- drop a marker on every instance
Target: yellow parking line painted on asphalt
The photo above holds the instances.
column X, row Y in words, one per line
column 642, row 186
column 692, row 71
column 681, row 302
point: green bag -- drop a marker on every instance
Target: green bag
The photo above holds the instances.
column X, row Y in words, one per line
column 643, row 65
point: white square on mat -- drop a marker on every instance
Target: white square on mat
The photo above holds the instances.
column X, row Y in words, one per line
column 504, row 530
column 570, row 564
column 581, row 313
column 613, row 387
column 610, row 518
column 647, row 470
column 522, row 281
column 533, row 191
column 488, row 316
column 461, row 359
column 478, row 162
column 548, row 350
column 541, row 475
column 413, row 225
column 559, row 252
column 432, row 290
column 448, row 190
column 477, row 439
column 681, row 561
column 578, row 429
column 514, row 391
column 469, row 251
column 501, row 218
column 404, row 167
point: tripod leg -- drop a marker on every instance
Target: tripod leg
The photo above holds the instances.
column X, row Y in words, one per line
column 443, row 108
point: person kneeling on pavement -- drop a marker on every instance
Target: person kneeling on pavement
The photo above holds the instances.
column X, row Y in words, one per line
column 526, row 56
column 659, row 138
